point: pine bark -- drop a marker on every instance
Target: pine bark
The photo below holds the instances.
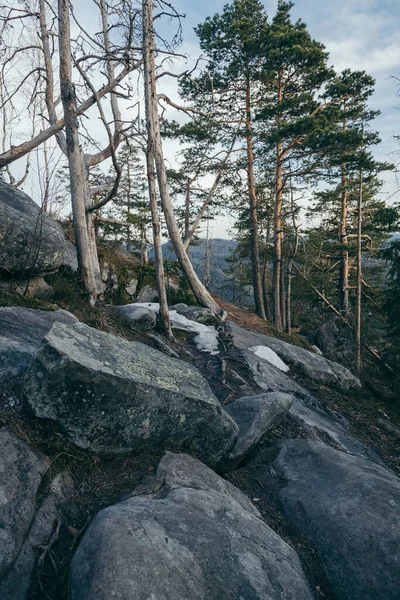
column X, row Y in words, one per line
column 255, row 253
column 278, row 241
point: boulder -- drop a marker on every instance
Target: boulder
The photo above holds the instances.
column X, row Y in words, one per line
column 21, row 473
column 205, row 316
column 255, row 416
column 147, row 294
column 312, row 365
column 70, row 258
column 139, row 318
column 349, row 507
column 55, row 506
column 21, row 332
column 308, row 412
column 198, row 538
column 337, row 341
column 113, row 396
column 31, row 242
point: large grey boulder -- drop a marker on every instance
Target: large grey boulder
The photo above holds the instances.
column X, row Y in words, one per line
column 198, row 538
column 112, row 396
column 349, row 507
column 255, row 416
column 312, row 365
column 21, row 333
column 139, row 318
column 21, row 473
column 31, row 242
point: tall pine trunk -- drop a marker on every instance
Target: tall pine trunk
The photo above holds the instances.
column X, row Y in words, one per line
column 255, row 253
column 277, row 273
column 153, row 128
column 343, row 240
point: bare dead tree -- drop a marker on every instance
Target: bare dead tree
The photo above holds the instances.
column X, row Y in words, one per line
column 153, row 128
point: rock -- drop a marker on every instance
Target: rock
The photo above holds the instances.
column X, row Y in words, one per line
column 162, row 346
column 138, row 317
column 337, row 341
column 37, row 288
column 255, row 416
column 147, row 294
column 131, row 287
column 70, row 258
column 31, row 243
column 21, row 473
column 349, row 508
column 56, row 505
column 306, row 410
column 312, row 365
column 109, row 277
column 196, row 539
column 21, row 332
column 181, row 306
column 113, row 396
column 205, row 316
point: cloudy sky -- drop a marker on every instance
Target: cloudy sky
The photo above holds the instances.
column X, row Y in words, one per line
column 358, row 34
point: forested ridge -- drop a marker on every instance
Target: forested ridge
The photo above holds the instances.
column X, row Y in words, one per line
column 199, row 306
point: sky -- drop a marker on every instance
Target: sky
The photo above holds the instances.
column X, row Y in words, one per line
column 358, row 34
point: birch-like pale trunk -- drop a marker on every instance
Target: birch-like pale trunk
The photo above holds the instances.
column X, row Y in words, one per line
column 158, row 257
column 153, row 128
column 80, row 193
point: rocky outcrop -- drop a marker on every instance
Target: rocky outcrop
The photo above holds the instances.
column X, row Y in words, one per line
column 337, row 341
column 31, row 243
column 21, row 473
column 112, row 396
column 255, row 417
column 197, row 538
column 349, row 507
column 21, row 333
column 312, row 365
column 138, row 318
column 308, row 412
column 70, row 258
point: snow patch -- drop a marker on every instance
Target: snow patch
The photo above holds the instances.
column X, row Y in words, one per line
column 270, row 356
column 206, row 339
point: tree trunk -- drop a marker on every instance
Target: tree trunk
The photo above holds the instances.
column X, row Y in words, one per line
column 359, row 276
column 343, row 240
column 187, row 209
column 265, row 285
column 80, row 195
column 158, row 257
column 153, row 128
column 255, row 254
column 278, row 240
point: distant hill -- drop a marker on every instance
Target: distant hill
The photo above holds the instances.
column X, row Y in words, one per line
column 220, row 250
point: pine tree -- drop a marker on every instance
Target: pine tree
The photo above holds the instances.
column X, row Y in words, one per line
column 228, row 88
column 297, row 126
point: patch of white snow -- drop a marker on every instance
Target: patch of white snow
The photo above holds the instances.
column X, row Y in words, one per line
column 270, row 356
column 206, row 339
